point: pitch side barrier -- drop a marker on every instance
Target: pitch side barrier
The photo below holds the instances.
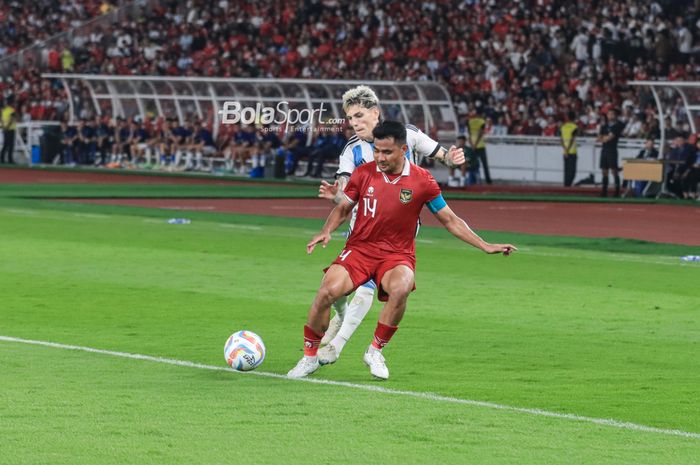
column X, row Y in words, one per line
column 511, row 158
column 533, row 159
column 540, row 159
column 29, row 139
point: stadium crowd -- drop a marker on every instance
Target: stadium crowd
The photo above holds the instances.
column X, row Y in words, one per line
column 23, row 24
column 526, row 63
column 522, row 64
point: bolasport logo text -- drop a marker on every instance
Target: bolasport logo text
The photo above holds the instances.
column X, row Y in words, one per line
column 279, row 116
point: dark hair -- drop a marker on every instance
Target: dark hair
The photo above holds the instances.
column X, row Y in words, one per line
column 571, row 115
column 462, row 136
column 387, row 129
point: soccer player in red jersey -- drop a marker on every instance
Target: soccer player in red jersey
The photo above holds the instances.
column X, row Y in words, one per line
column 390, row 193
column 361, row 107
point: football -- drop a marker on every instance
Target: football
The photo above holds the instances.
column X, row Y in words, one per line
column 244, row 351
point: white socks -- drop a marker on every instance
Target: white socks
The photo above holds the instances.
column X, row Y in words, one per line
column 340, row 306
column 257, row 160
column 354, row 314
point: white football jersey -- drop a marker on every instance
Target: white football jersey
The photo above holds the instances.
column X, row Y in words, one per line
column 358, row 151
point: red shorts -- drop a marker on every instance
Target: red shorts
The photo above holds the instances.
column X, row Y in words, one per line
column 363, row 266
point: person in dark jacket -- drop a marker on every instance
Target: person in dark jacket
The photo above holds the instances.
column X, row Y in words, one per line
column 649, row 152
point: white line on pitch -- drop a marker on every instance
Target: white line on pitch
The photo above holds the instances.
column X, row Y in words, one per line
column 366, row 387
column 240, row 226
column 96, row 216
column 18, row 211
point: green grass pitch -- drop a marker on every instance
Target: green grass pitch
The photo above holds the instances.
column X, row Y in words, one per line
column 595, row 328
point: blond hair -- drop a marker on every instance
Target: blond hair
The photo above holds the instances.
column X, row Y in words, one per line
column 363, row 96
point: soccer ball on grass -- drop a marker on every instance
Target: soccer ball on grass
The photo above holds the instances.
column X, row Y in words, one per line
column 244, row 351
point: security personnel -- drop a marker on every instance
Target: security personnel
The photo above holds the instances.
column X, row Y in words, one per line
column 9, row 127
column 567, row 134
column 477, row 127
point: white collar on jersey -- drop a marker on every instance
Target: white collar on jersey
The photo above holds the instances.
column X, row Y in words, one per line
column 406, row 171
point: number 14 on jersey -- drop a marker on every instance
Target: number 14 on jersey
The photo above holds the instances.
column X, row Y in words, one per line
column 370, row 206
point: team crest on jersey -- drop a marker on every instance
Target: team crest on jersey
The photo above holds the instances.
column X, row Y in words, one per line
column 370, row 191
column 406, row 195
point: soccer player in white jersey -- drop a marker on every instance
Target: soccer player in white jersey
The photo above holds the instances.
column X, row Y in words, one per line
column 361, row 107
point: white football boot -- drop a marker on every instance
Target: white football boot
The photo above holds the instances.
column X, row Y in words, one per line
column 375, row 361
column 304, row 368
column 327, row 355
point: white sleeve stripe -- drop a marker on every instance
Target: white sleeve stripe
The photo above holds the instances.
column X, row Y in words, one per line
column 349, row 199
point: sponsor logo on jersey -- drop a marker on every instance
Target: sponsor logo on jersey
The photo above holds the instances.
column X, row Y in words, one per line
column 406, row 195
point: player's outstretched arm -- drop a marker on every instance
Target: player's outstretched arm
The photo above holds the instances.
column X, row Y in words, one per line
column 452, row 157
column 333, row 191
column 337, row 216
column 461, row 230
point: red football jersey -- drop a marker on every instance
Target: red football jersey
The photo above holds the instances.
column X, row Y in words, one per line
column 388, row 206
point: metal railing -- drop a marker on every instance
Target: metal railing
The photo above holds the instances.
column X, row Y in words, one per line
column 426, row 104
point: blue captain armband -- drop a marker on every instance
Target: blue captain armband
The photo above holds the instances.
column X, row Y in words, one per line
column 437, row 204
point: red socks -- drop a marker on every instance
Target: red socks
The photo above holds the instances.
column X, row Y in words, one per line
column 311, row 341
column 382, row 335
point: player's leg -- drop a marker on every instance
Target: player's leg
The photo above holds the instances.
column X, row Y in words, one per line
column 189, row 157
column 202, row 152
column 126, row 152
column 339, row 306
column 115, row 153
column 463, row 173
column 481, row 153
column 396, row 285
column 241, row 156
column 354, row 314
column 178, row 150
column 164, row 151
column 573, row 160
column 133, row 150
column 616, row 176
column 336, row 283
column 604, row 192
column 336, row 322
